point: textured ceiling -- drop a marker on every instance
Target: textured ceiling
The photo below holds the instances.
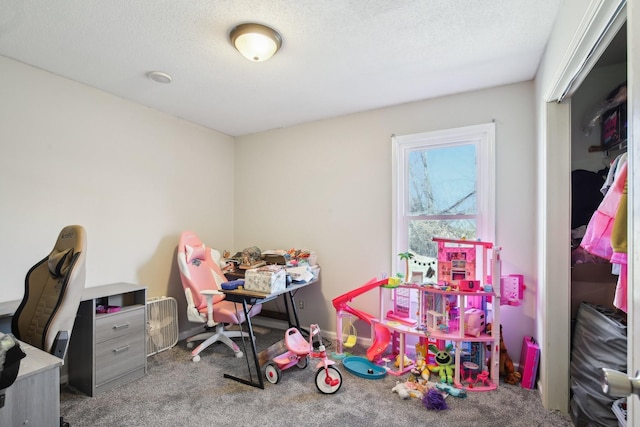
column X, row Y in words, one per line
column 338, row 56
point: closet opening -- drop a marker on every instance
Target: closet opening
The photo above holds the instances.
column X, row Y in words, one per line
column 598, row 233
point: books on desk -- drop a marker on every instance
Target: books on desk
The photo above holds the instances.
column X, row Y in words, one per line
column 256, row 264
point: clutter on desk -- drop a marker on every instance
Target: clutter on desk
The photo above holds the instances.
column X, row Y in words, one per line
column 250, row 257
column 291, row 257
column 233, row 284
column 302, row 274
column 300, row 264
column 267, row 279
column 10, row 356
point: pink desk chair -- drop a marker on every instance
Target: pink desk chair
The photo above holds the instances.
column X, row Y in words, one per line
column 202, row 276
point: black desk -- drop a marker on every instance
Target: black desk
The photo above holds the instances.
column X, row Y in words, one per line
column 247, row 298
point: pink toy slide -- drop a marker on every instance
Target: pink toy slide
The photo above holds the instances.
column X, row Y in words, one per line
column 382, row 336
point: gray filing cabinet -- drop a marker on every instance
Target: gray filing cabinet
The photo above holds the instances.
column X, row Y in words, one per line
column 108, row 349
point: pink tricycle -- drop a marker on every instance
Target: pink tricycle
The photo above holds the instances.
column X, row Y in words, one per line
column 328, row 377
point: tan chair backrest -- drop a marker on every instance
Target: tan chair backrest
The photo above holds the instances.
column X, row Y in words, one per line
column 53, row 290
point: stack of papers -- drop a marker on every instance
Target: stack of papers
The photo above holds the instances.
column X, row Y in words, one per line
column 300, row 274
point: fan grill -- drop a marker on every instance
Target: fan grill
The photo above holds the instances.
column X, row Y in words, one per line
column 162, row 324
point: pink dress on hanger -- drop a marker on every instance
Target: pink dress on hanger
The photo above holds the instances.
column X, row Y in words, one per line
column 619, row 245
column 597, row 238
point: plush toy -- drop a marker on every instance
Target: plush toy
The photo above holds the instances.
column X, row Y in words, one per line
column 434, row 400
column 416, row 390
column 420, row 372
column 505, row 366
column 406, row 363
column 444, row 363
column 408, row 389
column 401, row 389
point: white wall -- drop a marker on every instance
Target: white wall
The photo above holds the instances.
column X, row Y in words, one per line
column 328, row 188
column 133, row 177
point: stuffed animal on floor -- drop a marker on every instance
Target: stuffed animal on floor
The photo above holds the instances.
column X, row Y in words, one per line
column 408, row 389
column 401, row 389
column 505, row 366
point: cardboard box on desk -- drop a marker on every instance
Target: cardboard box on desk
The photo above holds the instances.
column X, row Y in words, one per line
column 267, row 279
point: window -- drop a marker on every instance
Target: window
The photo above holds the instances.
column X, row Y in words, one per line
column 444, row 186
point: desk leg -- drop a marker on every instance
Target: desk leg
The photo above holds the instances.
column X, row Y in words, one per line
column 260, row 383
column 295, row 311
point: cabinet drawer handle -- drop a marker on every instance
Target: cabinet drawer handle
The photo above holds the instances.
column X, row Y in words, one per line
column 118, row 327
column 121, row 349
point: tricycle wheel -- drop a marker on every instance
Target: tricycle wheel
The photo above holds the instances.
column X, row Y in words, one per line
column 272, row 373
column 328, row 380
column 303, row 362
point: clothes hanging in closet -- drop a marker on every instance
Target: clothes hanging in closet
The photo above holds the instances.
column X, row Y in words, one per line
column 619, row 245
column 600, row 237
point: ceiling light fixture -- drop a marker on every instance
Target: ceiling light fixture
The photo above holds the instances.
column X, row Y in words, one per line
column 159, row 77
column 255, row 42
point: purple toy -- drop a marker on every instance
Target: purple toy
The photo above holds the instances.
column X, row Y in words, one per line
column 434, row 400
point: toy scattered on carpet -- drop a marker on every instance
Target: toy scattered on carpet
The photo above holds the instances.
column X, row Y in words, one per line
column 448, row 388
column 434, row 400
column 505, row 366
column 402, row 390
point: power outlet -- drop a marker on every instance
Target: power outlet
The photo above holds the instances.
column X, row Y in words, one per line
column 301, row 305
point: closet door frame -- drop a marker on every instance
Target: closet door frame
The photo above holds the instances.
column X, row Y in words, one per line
column 599, row 24
column 633, row 174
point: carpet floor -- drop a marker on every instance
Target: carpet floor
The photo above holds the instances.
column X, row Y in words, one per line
column 178, row 392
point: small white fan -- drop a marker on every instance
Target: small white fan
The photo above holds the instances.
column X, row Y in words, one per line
column 162, row 324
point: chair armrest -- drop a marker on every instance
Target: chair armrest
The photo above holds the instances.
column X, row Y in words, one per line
column 209, row 293
column 193, row 315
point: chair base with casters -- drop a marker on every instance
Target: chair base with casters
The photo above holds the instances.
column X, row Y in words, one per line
column 219, row 334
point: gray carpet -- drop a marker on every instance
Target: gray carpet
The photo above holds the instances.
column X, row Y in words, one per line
column 178, row 392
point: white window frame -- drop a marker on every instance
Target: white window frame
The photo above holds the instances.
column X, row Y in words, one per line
column 484, row 137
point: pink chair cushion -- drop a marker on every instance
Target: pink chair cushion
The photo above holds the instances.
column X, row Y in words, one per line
column 201, row 275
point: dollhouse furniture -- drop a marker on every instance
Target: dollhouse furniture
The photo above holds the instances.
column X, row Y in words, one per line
column 202, row 278
column 449, row 314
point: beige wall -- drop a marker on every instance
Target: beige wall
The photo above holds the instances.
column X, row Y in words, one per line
column 133, row 177
column 329, row 189
column 136, row 178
